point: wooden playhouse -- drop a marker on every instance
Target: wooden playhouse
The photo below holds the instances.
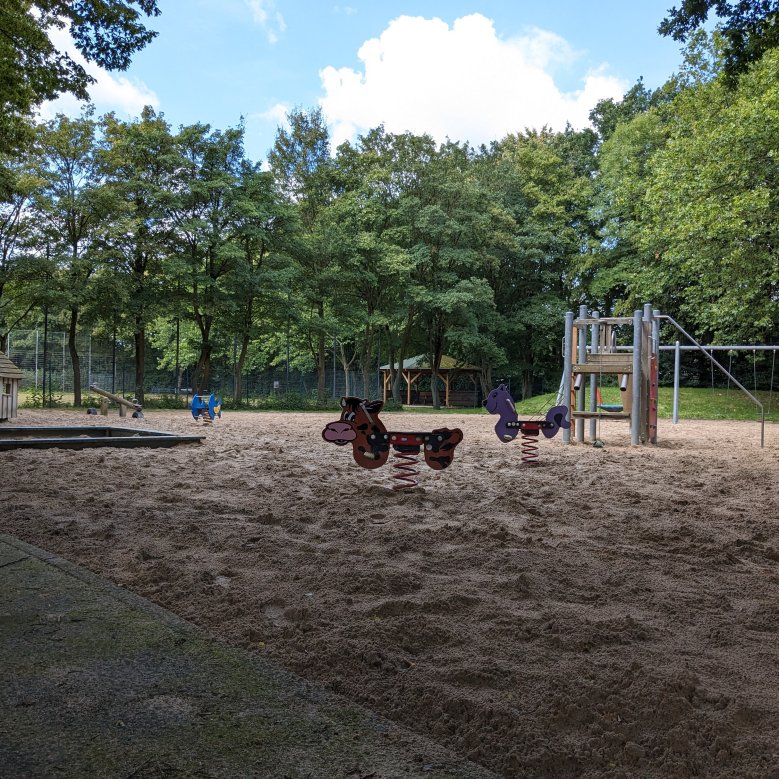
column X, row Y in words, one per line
column 10, row 378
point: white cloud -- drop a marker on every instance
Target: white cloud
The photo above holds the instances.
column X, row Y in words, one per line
column 109, row 93
column 346, row 10
column 462, row 82
column 265, row 14
column 276, row 113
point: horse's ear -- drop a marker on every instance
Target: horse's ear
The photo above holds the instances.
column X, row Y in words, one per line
column 503, row 387
column 374, row 406
column 343, row 402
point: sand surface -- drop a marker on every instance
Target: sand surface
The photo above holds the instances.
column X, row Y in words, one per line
column 610, row 612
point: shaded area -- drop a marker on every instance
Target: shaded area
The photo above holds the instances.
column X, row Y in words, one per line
column 98, row 682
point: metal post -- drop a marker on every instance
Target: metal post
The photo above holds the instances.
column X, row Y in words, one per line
column 647, row 412
column 36, row 358
column 594, row 342
column 581, row 357
column 677, row 360
column 567, row 368
column 635, row 412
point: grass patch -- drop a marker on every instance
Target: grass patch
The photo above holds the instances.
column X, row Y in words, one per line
column 694, row 403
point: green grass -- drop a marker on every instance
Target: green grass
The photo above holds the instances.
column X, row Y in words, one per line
column 694, row 403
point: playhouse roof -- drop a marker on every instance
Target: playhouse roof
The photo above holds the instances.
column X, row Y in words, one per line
column 422, row 363
column 7, row 369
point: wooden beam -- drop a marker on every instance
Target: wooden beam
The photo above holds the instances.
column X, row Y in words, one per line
column 116, row 398
column 606, row 368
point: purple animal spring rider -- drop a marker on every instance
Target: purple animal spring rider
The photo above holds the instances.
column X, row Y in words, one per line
column 500, row 402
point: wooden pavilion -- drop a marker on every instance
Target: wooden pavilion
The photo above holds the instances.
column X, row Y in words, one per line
column 414, row 368
column 10, row 379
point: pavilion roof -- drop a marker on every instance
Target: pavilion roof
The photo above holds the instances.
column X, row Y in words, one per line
column 422, row 363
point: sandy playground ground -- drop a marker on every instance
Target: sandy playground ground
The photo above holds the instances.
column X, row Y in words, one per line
column 611, row 612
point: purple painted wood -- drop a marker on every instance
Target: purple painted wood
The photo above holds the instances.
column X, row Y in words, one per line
column 499, row 402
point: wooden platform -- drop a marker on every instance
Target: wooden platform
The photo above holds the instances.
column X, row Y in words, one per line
column 605, row 363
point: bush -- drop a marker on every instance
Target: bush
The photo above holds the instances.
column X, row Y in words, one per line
column 166, row 401
column 294, row 401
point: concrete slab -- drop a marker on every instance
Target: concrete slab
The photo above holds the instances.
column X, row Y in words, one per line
column 96, row 681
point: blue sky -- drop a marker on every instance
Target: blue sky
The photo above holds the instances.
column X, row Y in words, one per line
column 464, row 69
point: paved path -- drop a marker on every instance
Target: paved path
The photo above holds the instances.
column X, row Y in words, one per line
column 98, row 682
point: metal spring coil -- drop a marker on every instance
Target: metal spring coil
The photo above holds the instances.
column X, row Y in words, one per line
column 529, row 449
column 405, row 471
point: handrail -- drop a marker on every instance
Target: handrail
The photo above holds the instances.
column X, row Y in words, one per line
column 727, row 373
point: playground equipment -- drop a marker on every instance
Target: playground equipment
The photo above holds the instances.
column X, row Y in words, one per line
column 10, row 378
column 500, row 402
column 635, row 366
column 206, row 410
column 123, row 403
column 635, row 371
column 360, row 426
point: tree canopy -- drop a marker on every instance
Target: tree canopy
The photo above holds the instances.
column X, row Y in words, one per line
column 749, row 28
column 33, row 69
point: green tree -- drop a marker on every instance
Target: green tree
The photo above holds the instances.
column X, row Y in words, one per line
column 202, row 189
column 33, row 70
column 70, row 215
column 544, row 181
column 138, row 161
column 263, row 229
column 19, row 270
column 446, row 216
column 610, row 273
column 372, row 271
column 749, row 29
column 608, row 113
column 711, row 207
column 303, row 172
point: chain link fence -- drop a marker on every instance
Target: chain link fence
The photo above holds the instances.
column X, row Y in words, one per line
column 111, row 366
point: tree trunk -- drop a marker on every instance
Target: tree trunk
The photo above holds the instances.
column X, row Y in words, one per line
column 365, row 361
column 140, row 361
column 527, row 383
column 404, row 341
column 202, row 374
column 391, row 362
column 74, row 361
column 485, row 379
column 436, row 353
